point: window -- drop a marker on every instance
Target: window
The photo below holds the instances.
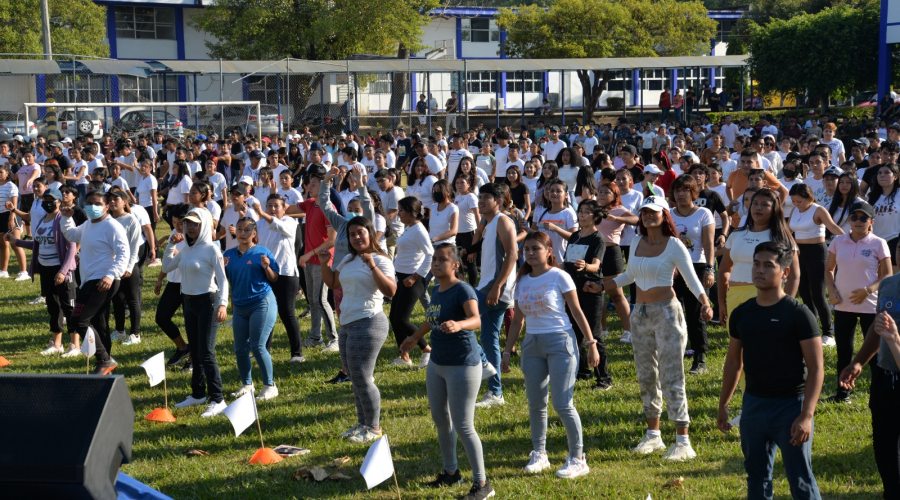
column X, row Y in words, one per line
column 145, row 23
column 79, row 88
column 381, row 84
column 479, row 29
column 157, row 88
column 482, row 82
column 533, row 81
column 656, row 79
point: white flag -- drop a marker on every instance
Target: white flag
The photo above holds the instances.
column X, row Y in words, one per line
column 155, row 368
column 242, row 413
column 378, row 466
column 89, row 343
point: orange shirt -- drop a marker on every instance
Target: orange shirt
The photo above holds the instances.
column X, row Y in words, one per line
column 738, row 180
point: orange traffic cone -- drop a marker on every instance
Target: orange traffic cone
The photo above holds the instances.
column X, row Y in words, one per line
column 160, row 415
column 4, row 362
column 265, row 456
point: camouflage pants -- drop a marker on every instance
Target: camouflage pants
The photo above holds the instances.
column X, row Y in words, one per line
column 659, row 336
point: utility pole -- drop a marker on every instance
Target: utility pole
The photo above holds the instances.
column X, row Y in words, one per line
column 50, row 118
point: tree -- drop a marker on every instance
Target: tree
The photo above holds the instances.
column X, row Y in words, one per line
column 318, row 30
column 606, row 28
column 76, row 27
column 817, row 54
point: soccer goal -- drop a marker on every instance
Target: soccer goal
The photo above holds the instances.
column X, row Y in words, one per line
column 140, row 118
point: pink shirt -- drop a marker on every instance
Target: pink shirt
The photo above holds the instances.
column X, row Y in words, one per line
column 857, row 267
column 24, row 174
column 611, row 231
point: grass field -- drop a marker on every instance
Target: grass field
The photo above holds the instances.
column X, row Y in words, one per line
column 311, row 414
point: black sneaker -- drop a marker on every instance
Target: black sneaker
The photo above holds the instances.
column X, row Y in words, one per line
column 178, row 356
column 698, row 367
column 480, row 492
column 586, row 375
column 445, row 479
column 839, row 398
column 340, row 378
column 105, row 368
column 602, row 386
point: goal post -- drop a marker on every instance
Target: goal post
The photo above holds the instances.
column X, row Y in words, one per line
column 76, row 106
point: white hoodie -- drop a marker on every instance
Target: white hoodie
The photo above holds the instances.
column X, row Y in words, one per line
column 200, row 262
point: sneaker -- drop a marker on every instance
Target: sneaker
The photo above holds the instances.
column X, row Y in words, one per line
column 179, row 356
column 243, row 390
column 214, row 409
column 132, row 340
column 304, row 313
column 649, row 444
column 574, row 467
column 23, row 276
column 310, row 342
column 602, row 386
column 188, row 367
column 680, row 452
column 626, row 337
column 446, row 479
column 268, row 392
column 480, row 491
column 426, row 358
column 105, row 368
column 490, row 400
column 406, row 363
column 155, row 263
column 839, row 398
column 537, row 462
column 4, row 274
column 297, row 360
column 37, row 300
column 332, row 347
column 190, row 401
column 487, row 371
column 52, row 350
column 364, row 434
column 116, row 336
column 340, row 378
column 698, row 367
column 604, row 334
column 73, row 352
column 828, row 341
column 351, row 431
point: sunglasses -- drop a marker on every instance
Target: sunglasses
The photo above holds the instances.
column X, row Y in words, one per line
column 860, row 218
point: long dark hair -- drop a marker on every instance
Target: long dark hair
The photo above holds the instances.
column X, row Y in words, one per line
column 779, row 230
column 667, row 227
column 544, row 240
column 841, row 202
column 877, row 190
column 553, row 167
column 360, row 221
column 571, row 157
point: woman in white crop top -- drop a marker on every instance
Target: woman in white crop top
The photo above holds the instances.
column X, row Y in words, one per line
column 808, row 222
column 659, row 333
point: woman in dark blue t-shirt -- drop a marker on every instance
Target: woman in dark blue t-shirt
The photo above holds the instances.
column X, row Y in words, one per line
column 454, row 374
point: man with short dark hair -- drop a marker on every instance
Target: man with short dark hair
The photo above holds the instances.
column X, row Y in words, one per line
column 775, row 340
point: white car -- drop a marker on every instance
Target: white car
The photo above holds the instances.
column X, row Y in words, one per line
column 14, row 124
column 67, row 125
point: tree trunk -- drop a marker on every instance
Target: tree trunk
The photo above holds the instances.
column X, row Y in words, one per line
column 591, row 91
column 398, row 89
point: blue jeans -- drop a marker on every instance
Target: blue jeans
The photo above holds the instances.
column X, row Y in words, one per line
column 491, row 322
column 252, row 326
column 765, row 425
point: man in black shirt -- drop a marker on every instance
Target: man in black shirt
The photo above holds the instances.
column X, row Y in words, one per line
column 775, row 340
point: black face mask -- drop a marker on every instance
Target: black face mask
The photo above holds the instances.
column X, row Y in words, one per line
column 789, row 174
column 438, row 197
column 48, row 206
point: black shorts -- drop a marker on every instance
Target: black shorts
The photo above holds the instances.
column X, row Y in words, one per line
column 613, row 261
column 25, row 202
column 5, row 226
column 892, row 247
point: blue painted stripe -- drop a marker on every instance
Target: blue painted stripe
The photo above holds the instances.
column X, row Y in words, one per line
column 459, row 40
column 179, row 43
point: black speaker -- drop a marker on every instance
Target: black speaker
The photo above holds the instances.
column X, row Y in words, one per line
column 63, row 436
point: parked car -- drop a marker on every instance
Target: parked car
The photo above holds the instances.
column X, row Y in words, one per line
column 14, row 123
column 244, row 120
column 141, row 121
column 328, row 116
column 68, row 124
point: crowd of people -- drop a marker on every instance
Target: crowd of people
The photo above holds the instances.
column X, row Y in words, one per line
column 786, row 233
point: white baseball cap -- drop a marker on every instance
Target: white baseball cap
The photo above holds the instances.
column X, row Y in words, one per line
column 655, row 203
column 652, row 169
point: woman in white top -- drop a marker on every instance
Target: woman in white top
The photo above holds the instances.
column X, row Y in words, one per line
column 568, row 171
column 200, row 196
column 549, row 352
column 129, row 293
column 412, row 262
column 177, row 186
column 218, row 182
column 146, row 191
column 659, row 334
column 883, row 198
column 469, row 217
column 420, row 182
column 808, row 222
column 443, row 224
column 556, row 217
column 845, row 196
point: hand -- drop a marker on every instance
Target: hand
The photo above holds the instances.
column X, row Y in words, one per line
column 593, row 356
column 450, row 326
column 801, row 430
column 105, row 284
column 709, row 279
column 580, row 264
column 264, row 262
column 834, row 297
column 592, row 287
column 127, row 274
column 706, row 312
column 232, row 231
column 470, row 258
column 408, row 344
column 157, row 287
column 67, row 211
column 9, row 205
column 493, row 296
column 220, row 314
column 885, row 326
column 504, row 362
column 367, row 259
column 176, row 238
column 59, row 279
column 410, row 281
column 304, row 259
column 324, row 256
column 722, row 420
column 720, row 241
column 723, row 313
column 859, row 295
column 847, row 379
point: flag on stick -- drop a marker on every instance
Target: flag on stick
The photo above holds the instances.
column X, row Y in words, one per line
column 155, row 368
column 241, row 413
column 378, row 466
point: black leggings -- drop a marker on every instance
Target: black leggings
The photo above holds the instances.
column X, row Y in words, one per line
column 844, row 332
column 92, row 310
column 812, row 283
column 285, row 290
column 201, row 327
column 696, row 326
column 592, row 306
column 402, row 307
column 129, row 295
column 464, row 244
column 60, row 299
column 169, row 303
column 884, row 402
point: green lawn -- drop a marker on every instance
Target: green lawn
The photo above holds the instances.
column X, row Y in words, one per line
column 311, row 414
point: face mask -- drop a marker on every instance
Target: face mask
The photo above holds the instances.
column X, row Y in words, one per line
column 93, row 211
column 48, row 206
column 352, row 215
column 789, row 174
column 438, row 197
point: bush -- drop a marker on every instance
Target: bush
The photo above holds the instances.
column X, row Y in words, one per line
column 804, row 113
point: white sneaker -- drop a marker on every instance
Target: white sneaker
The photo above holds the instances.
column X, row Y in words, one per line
column 214, row 409
column 574, row 467
column 364, row 435
column 52, row 350
column 73, row 352
column 37, row 300
column 332, row 346
column 23, row 276
column 537, row 462
column 626, row 337
column 426, row 358
column 402, row 362
column 268, row 392
column 155, row 263
column 351, row 431
column 4, row 274
column 243, row 390
column 490, row 400
column 680, row 452
column 604, row 334
column 649, row 444
column 828, row 341
column 487, row 371
column 190, row 401
column 116, row 336
column 132, row 340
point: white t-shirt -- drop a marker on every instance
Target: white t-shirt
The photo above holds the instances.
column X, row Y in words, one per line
column 230, row 218
column 177, row 192
column 215, row 210
column 741, row 245
column 120, row 182
column 729, row 132
column 291, row 196
column 817, row 186
column 362, row 298
column 466, row 203
column 389, row 200
column 414, row 251
column 380, row 225
column 453, row 160
column 8, row 191
column 80, row 170
column 218, row 183
column 565, row 218
column 887, row 217
column 144, row 189
column 433, row 164
column 589, row 144
column 837, row 149
column 130, row 176
column 278, row 236
column 692, row 227
column 500, row 158
column 541, row 301
column 552, row 149
column 440, row 222
column 631, row 201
